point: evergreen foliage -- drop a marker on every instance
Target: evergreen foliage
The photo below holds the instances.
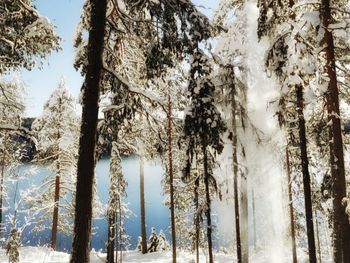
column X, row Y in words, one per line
column 25, row 36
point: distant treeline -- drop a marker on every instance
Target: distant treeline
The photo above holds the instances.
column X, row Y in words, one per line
column 28, row 143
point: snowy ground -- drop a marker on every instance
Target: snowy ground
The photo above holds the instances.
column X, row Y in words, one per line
column 46, row 255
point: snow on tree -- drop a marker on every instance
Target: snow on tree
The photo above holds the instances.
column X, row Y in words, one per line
column 57, row 133
column 153, row 241
column 117, row 209
column 11, row 102
column 203, row 128
column 12, row 247
column 25, row 35
column 12, row 151
column 87, row 144
column 230, row 55
column 330, row 40
column 163, row 244
column 289, row 59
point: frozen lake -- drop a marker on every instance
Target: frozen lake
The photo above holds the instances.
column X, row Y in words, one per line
column 157, row 215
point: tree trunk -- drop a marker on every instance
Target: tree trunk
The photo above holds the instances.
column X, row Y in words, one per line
column 55, row 213
column 116, row 236
column 120, row 232
column 306, row 174
column 196, row 216
column 235, row 174
column 2, row 184
column 87, row 143
column 291, row 210
column 244, row 219
column 171, row 179
column 208, row 203
column 111, row 237
column 341, row 227
column 142, row 206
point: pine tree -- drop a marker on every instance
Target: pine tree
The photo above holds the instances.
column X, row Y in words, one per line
column 115, row 214
column 57, row 131
column 341, row 227
column 12, row 108
column 288, row 63
column 203, row 128
column 25, row 35
column 160, row 49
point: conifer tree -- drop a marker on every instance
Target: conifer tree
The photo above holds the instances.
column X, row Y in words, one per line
column 341, row 226
column 12, row 109
column 25, row 35
column 289, row 65
column 203, row 128
column 159, row 48
column 57, row 131
column 115, row 214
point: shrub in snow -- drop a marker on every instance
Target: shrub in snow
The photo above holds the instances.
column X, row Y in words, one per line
column 163, row 244
column 153, row 241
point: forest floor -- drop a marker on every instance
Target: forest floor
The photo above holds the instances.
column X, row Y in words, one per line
column 47, row 255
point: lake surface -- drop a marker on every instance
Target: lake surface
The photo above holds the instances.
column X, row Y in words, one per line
column 157, row 215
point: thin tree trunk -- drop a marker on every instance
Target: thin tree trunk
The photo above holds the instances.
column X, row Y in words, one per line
column 116, row 236
column 306, row 174
column 55, row 213
column 111, row 237
column 254, row 219
column 244, row 219
column 235, row 174
column 57, row 187
column 291, row 210
column 318, row 239
column 120, row 232
column 196, row 219
column 208, row 203
column 171, row 178
column 86, row 160
column 142, row 206
column 2, row 184
column 341, row 227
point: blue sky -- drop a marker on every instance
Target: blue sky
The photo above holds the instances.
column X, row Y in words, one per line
column 65, row 15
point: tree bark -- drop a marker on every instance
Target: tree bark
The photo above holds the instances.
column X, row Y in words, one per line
column 341, row 227
column 111, row 237
column 87, row 143
column 171, row 179
column 142, row 206
column 244, row 219
column 291, row 210
column 306, row 175
column 55, row 213
column 235, row 174
column 116, row 236
column 120, row 232
column 208, row 203
column 2, row 183
column 196, row 216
